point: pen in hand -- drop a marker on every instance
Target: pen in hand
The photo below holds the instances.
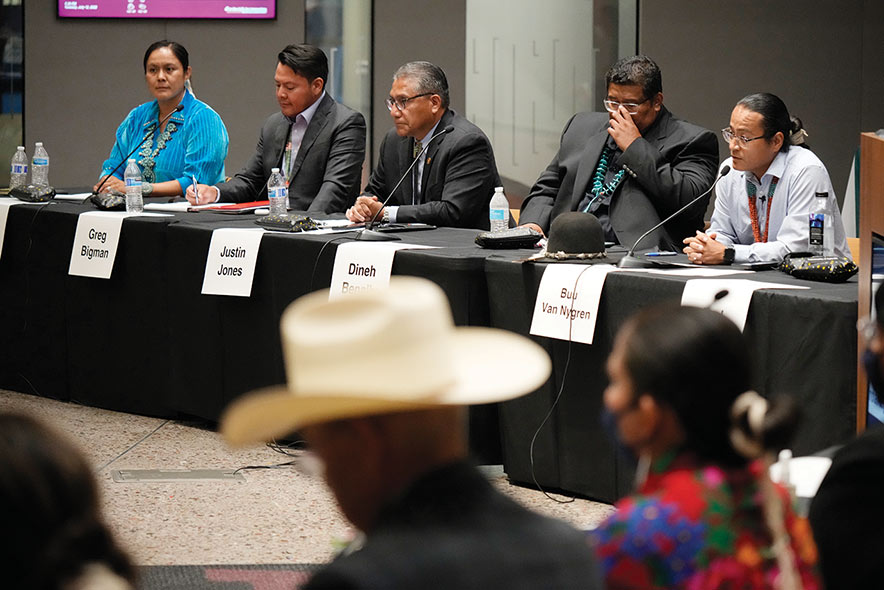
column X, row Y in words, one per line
column 196, row 191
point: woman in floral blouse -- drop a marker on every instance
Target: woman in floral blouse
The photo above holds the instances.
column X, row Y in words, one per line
column 180, row 138
column 704, row 515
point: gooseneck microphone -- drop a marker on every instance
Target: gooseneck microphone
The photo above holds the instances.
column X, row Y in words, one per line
column 369, row 234
column 632, row 261
column 151, row 128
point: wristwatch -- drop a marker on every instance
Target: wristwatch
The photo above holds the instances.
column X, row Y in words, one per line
column 146, row 188
column 729, row 254
column 385, row 215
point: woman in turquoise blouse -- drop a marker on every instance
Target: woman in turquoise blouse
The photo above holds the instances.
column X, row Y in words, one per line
column 192, row 143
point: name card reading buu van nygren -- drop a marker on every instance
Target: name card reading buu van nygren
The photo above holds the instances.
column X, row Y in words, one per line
column 568, row 301
column 230, row 265
column 95, row 243
column 362, row 266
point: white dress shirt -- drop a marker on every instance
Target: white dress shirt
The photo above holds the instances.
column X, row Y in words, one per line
column 801, row 175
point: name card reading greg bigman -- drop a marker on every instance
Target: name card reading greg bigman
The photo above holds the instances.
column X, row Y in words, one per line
column 568, row 301
column 95, row 243
column 230, row 265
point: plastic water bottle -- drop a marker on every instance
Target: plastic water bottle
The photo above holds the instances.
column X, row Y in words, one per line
column 498, row 211
column 821, row 238
column 18, row 174
column 277, row 193
column 132, row 177
column 40, row 166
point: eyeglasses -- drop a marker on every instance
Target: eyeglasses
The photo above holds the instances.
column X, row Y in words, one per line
column 400, row 103
column 612, row 106
column 729, row 135
column 867, row 328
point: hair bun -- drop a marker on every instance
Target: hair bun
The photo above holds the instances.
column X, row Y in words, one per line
column 797, row 135
column 759, row 426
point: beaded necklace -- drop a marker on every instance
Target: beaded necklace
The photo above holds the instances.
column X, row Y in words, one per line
column 148, row 155
column 599, row 188
column 753, row 209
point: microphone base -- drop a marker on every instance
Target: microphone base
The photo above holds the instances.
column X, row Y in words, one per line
column 630, row 261
column 370, row 235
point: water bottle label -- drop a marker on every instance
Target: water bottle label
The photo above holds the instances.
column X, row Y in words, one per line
column 497, row 214
column 133, row 182
column 278, row 192
column 41, row 161
column 817, row 221
column 19, row 169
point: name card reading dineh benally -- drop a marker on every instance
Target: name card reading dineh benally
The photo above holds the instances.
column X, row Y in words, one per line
column 363, row 266
column 568, row 301
column 230, row 265
column 95, row 243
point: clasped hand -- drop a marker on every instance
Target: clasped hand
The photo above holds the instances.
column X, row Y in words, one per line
column 364, row 209
column 704, row 249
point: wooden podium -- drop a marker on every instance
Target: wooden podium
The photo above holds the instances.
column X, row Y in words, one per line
column 871, row 221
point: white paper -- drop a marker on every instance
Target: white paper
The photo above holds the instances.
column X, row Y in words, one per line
column 363, row 266
column 735, row 305
column 697, row 271
column 230, row 264
column 805, row 473
column 564, row 311
column 73, row 197
column 95, row 243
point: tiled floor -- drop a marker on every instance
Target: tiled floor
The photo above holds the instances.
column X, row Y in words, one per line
column 273, row 516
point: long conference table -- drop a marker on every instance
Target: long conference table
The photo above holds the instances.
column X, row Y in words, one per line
column 147, row 341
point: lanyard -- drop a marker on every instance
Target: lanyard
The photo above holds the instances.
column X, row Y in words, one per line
column 753, row 210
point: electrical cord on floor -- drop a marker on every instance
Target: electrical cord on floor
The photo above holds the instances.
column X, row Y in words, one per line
column 558, row 395
column 295, row 449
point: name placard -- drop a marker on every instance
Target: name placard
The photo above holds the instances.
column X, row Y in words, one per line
column 733, row 296
column 568, row 301
column 95, row 243
column 362, row 266
column 230, row 265
column 5, row 204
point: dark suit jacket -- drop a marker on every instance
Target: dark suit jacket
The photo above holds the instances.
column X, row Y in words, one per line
column 452, row 529
column 671, row 164
column 458, row 179
column 847, row 515
column 328, row 168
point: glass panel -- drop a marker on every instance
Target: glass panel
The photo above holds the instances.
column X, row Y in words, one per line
column 531, row 66
column 342, row 28
column 11, row 83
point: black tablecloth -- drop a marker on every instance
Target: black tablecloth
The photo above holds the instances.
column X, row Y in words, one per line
column 803, row 341
column 147, row 341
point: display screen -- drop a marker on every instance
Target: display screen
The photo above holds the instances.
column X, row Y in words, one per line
column 167, row 9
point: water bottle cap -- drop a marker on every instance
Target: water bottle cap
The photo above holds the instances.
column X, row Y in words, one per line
column 498, row 189
column 131, row 159
column 39, row 144
column 274, row 170
column 20, row 148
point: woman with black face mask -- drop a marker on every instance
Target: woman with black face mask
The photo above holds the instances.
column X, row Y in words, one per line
column 846, row 514
column 704, row 514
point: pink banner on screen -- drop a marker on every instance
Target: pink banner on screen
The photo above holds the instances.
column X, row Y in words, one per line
column 167, row 8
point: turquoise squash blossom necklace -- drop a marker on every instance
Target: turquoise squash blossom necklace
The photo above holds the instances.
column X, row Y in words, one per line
column 599, row 188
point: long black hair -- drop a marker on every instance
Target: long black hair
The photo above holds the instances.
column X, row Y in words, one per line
column 775, row 118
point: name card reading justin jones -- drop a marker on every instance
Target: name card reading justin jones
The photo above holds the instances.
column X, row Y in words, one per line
column 230, row 265
column 362, row 266
column 95, row 243
column 568, row 301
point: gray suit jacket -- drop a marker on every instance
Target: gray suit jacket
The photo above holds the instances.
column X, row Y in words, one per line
column 458, row 179
column 671, row 164
column 327, row 170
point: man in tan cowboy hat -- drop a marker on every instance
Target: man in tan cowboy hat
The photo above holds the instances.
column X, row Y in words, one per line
column 394, row 447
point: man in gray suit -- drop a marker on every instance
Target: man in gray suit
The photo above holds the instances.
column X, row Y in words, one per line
column 317, row 143
column 453, row 180
column 631, row 167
